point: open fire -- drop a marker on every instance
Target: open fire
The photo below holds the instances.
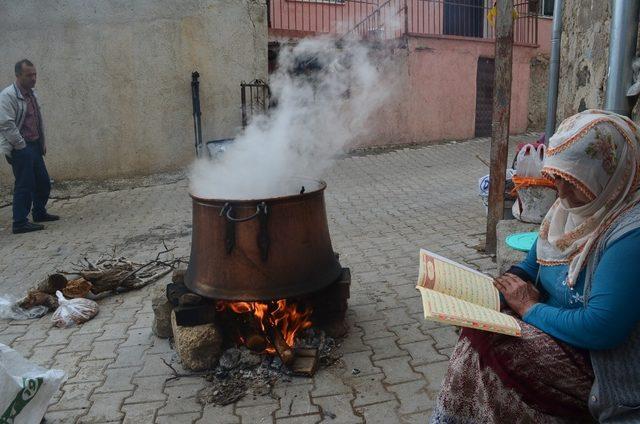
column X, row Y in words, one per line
column 269, row 327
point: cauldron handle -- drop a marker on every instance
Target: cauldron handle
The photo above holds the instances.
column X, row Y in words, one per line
column 261, row 206
column 263, row 236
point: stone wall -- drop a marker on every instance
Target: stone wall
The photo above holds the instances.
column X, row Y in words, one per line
column 114, row 77
column 583, row 56
column 538, row 89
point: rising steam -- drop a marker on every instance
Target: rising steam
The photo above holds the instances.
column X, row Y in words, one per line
column 325, row 96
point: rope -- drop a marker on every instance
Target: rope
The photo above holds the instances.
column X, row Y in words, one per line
column 525, row 182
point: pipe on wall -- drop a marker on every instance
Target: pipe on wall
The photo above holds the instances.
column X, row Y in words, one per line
column 554, row 70
column 622, row 51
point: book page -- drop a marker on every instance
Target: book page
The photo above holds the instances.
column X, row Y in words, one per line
column 448, row 277
column 444, row 308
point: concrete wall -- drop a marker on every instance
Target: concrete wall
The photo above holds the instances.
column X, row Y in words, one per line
column 436, row 92
column 114, row 76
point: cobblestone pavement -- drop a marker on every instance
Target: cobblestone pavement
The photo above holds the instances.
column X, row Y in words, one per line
column 382, row 208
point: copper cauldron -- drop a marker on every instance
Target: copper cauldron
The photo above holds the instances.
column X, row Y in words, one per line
column 263, row 249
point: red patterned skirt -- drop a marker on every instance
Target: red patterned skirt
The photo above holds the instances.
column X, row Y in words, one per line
column 493, row 378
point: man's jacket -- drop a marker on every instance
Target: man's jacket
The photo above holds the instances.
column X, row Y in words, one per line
column 13, row 109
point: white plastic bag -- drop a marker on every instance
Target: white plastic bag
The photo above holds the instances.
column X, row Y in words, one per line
column 9, row 309
column 25, row 388
column 74, row 311
column 529, row 161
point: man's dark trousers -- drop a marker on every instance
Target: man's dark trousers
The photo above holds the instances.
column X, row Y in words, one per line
column 32, row 185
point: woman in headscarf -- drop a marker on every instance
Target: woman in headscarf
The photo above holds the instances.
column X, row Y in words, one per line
column 577, row 294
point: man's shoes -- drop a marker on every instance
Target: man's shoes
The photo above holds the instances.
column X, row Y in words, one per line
column 27, row 228
column 47, row 217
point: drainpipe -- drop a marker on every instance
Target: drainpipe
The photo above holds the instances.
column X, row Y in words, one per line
column 622, row 51
column 554, row 71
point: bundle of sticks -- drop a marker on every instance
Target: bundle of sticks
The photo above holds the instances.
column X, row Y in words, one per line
column 105, row 277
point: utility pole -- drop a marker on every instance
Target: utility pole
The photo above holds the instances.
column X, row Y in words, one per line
column 501, row 115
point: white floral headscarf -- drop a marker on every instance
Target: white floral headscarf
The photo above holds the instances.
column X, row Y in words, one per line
column 598, row 152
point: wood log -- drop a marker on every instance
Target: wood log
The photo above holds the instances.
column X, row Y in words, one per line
column 305, row 362
column 256, row 343
column 52, row 283
column 282, row 348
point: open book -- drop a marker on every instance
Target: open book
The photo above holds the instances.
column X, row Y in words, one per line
column 454, row 294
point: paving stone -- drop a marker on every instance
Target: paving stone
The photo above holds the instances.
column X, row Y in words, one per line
column 154, row 366
column 381, row 413
column 80, row 343
column 105, row 407
column 148, row 389
column 181, row 399
column 413, row 396
column 58, row 336
column 25, row 347
column 138, row 337
column 294, row 400
column 397, row 316
column 117, row 380
column 129, row 356
column 397, row 370
column 369, row 389
column 445, row 337
column 218, row 415
column 44, row 355
column 259, row 414
column 409, row 333
column 141, row 412
column 159, row 346
column 68, row 362
column 63, row 417
column 327, row 382
column 434, row 374
column 417, row 418
column 385, row 348
column 90, row 371
column 359, row 363
column 114, row 332
column 374, row 330
column 186, row 418
column 305, row 419
column 423, row 352
column 75, row 396
column 104, row 350
column 337, row 409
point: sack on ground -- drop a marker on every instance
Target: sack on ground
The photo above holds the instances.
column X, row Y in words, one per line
column 74, row 311
column 25, row 388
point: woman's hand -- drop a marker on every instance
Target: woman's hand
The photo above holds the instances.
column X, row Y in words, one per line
column 519, row 294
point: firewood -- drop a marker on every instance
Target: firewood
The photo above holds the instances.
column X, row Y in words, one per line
column 52, row 283
column 282, row 348
column 305, row 362
column 256, row 342
column 37, row 298
column 77, row 288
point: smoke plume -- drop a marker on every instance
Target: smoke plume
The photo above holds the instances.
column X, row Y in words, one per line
column 325, row 95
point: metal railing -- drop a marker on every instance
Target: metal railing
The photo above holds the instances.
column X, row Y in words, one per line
column 390, row 19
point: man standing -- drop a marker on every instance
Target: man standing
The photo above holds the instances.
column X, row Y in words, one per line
column 22, row 140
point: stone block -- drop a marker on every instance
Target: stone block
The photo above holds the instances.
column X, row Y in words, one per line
column 199, row 347
column 162, row 308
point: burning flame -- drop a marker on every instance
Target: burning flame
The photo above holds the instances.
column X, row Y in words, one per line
column 280, row 314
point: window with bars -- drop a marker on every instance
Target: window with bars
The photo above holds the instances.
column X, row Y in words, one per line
column 543, row 7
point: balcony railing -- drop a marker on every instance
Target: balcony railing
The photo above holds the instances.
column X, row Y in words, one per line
column 390, row 19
